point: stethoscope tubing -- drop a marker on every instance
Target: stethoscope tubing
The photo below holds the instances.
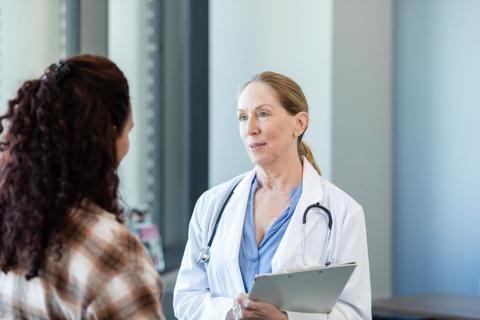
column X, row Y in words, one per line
column 329, row 218
column 205, row 252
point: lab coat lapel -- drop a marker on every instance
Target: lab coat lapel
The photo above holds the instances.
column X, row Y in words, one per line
column 286, row 255
column 234, row 217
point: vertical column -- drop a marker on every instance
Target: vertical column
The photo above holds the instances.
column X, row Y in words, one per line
column 69, row 27
column 93, row 27
column 197, row 99
column 362, row 122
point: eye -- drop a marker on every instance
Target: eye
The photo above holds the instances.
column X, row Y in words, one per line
column 242, row 117
column 263, row 114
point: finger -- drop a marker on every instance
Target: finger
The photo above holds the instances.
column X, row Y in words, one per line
column 256, row 305
column 242, row 296
column 243, row 300
column 259, row 306
column 248, row 314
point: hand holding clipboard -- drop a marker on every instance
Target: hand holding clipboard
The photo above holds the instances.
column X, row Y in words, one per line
column 309, row 290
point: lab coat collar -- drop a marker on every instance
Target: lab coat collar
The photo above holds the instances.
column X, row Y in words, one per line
column 312, row 192
column 235, row 216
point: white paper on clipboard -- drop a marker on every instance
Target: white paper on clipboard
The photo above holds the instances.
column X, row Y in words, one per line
column 309, row 290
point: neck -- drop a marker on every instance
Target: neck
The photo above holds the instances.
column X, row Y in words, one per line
column 286, row 174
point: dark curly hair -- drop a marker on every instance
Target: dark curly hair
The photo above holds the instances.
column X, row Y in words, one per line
column 58, row 147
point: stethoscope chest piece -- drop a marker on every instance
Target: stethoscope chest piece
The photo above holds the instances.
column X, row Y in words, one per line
column 204, row 255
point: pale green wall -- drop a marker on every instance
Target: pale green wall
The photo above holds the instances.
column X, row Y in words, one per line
column 26, row 49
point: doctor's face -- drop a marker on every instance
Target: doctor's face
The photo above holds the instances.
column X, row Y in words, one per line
column 268, row 132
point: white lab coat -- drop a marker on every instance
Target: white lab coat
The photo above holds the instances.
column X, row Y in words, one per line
column 208, row 292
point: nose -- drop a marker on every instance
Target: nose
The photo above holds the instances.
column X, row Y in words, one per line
column 252, row 126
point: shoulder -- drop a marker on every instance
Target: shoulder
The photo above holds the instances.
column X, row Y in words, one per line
column 123, row 282
column 218, row 192
column 345, row 207
column 97, row 249
column 333, row 192
column 210, row 202
column 340, row 203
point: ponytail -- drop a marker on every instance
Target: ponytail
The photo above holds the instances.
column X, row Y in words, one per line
column 304, row 151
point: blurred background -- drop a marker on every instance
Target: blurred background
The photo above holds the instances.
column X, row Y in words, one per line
column 393, row 89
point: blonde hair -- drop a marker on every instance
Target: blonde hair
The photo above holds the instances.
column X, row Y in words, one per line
column 292, row 100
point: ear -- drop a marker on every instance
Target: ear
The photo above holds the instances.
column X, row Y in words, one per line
column 301, row 123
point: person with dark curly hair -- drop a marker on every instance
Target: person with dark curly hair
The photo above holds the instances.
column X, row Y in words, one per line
column 65, row 252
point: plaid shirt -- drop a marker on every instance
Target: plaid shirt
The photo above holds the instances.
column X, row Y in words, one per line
column 104, row 273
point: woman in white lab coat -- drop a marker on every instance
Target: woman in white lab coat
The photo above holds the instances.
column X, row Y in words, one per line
column 260, row 230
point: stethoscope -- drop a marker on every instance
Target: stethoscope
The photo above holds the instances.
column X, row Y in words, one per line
column 204, row 256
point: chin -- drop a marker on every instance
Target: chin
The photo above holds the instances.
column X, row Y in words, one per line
column 254, row 159
column 260, row 161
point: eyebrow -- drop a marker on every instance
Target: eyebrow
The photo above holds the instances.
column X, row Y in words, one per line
column 258, row 107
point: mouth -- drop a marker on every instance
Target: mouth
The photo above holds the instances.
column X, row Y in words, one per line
column 256, row 146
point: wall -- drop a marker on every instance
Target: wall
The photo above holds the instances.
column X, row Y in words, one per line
column 339, row 52
column 362, row 122
column 248, row 37
column 126, row 43
column 437, row 176
column 26, row 49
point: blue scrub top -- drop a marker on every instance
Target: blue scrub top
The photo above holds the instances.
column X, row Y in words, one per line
column 254, row 260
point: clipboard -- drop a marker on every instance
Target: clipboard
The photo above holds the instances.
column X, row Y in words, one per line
column 308, row 290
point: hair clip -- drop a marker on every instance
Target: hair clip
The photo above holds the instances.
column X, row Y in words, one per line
column 62, row 70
